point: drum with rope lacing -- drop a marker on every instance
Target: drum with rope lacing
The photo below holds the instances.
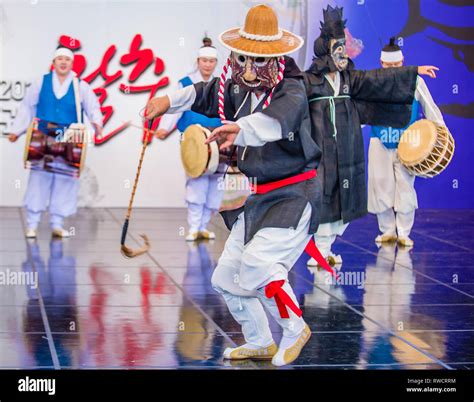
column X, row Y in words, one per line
column 426, row 148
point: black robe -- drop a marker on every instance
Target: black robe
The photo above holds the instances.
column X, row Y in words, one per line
column 295, row 153
column 377, row 97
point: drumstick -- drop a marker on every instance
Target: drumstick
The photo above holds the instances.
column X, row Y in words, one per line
column 147, row 130
column 127, row 251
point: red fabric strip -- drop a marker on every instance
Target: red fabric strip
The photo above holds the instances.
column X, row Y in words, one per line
column 313, row 251
column 265, row 188
column 282, row 299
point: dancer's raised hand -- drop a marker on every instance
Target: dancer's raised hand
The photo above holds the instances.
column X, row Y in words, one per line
column 226, row 133
column 428, row 70
column 157, row 107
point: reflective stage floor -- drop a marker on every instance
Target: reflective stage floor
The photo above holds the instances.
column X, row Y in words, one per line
column 392, row 309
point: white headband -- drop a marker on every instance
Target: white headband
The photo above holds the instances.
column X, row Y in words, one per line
column 63, row 51
column 207, row 51
column 391, row 57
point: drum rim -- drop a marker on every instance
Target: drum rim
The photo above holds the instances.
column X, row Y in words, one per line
column 212, row 152
column 29, row 133
column 85, row 144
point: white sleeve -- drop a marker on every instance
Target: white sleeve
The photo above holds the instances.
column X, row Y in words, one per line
column 27, row 109
column 182, row 99
column 90, row 103
column 257, row 129
column 169, row 120
column 430, row 110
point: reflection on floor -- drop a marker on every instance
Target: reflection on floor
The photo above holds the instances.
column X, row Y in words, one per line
column 78, row 303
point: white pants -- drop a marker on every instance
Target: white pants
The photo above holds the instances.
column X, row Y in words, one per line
column 57, row 191
column 203, row 197
column 244, row 270
column 391, row 188
column 326, row 235
column 399, row 223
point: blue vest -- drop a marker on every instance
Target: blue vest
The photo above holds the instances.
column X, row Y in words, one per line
column 389, row 136
column 51, row 109
column 189, row 117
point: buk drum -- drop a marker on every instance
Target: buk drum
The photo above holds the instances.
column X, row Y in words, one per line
column 199, row 158
column 63, row 154
column 426, row 148
column 236, row 191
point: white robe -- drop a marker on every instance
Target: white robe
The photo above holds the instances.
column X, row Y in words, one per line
column 45, row 188
column 390, row 185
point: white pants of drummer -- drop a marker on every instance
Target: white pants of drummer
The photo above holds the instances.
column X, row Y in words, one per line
column 326, row 235
column 59, row 192
column 243, row 271
column 203, row 197
column 391, row 190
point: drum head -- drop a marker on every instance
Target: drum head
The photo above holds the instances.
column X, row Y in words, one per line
column 417, row 142
column 194, row 152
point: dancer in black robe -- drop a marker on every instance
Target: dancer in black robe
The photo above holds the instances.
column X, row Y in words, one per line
column 266, row 113
column 340, row 100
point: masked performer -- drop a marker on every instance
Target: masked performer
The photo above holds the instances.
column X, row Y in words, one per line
column 203, row 195
column 266, row 109
column 340, row 100
column 392, row 194
column 52, row 99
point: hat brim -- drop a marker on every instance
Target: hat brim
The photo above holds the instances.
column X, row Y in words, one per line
column 288, row 43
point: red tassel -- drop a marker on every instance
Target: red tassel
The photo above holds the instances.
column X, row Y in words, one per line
column 313, row 251
column 282, row 299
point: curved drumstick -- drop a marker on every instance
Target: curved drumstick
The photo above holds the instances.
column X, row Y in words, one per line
column 127, row 251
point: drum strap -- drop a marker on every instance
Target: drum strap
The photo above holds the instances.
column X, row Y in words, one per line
column 428, row 102
column 75, row 83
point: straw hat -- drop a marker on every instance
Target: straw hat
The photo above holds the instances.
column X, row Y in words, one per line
column 261, row 36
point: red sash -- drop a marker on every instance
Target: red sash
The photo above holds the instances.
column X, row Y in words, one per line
column 265, row 188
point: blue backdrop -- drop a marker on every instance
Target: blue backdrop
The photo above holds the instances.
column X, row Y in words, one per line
column 436, row 32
